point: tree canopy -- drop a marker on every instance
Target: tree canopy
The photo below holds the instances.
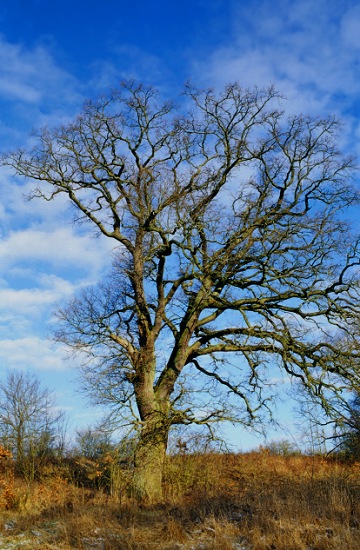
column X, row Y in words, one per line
column 233, row 255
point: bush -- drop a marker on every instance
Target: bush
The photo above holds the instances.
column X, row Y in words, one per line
column 7, row 496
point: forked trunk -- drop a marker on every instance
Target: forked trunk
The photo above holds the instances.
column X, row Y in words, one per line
column 149, row 460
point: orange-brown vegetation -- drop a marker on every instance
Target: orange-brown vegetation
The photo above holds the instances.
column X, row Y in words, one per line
column 7, row 496
column 254, row 501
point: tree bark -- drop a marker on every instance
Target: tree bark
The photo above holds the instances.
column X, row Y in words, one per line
column 150, row 458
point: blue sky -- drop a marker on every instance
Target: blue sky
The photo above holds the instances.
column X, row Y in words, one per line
column 54, row 55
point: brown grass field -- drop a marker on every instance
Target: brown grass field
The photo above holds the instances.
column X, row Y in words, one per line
column 251, row 501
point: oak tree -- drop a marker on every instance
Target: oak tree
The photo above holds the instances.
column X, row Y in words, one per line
column 233, row 257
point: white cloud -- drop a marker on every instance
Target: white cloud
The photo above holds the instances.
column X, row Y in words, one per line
column 32, row 76
column 27, row 311
column 350, row 26
column 39, row 270
column 43, row 257
column 31, row 299
column 60, row 248
column 128, row 62
column 31, row 353
column 310, row 52
column 16, row 212
column 34, row 92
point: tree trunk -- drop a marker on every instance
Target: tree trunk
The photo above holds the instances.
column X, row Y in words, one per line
column 149, row 460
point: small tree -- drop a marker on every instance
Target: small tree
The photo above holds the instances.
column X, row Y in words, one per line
column 347, row 428
column 30, row 426
column 232, row 258
column 92, row 443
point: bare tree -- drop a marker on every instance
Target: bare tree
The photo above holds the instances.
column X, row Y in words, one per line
column 348, row 431
column 232, row 256
column 93, row 443
column 30, row 425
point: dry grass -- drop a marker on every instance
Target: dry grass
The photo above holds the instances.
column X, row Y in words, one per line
column 220, row 502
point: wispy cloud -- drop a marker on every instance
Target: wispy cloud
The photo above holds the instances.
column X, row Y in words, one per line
column 34, row 91
column 310, row 51
column 60, row 248
column 39, row 269
column 31, row 353
column 31, row 76
column 43, row 257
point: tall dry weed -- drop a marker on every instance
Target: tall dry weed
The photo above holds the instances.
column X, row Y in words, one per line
column 214, row 501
